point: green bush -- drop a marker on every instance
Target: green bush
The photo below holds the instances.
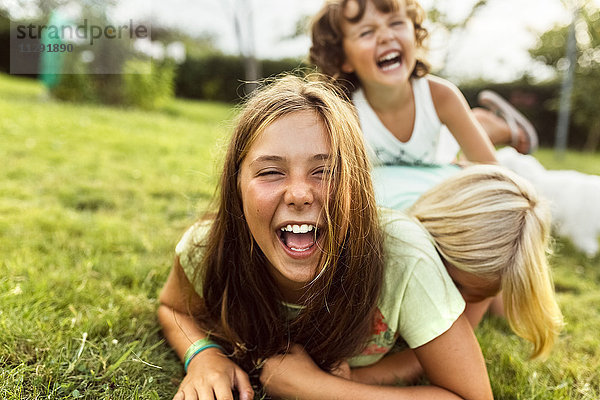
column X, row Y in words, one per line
column 221, row 77
column 146, row 85
column 75, row 88
column 142, row 84
column 214, row 77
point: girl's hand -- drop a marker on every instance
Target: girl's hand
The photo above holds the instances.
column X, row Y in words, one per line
column 211, row 376
column 290, row 374
column 393, row 369
column 343, row 370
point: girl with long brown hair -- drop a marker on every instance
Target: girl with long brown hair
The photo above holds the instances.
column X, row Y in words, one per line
column 298, row 271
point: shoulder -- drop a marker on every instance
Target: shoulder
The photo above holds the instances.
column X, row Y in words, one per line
column 442, row 90
column 418, row 295
column 406, row 242
column 193, row 236
column 409, row 250
column 447, row 97
column 190, row 249
column 398, row 226
column 357, row 98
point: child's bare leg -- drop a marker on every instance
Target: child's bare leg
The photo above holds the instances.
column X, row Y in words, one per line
column 499, row 131
column 505, row 124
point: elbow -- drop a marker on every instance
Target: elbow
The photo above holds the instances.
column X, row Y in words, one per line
column 488, row 396
column 484, row 393
column 164, row 313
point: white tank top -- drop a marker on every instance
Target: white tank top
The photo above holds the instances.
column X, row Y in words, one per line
column 422, row 148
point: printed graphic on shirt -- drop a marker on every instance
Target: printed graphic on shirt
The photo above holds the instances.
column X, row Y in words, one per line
column 402, row 158
column 382, row 337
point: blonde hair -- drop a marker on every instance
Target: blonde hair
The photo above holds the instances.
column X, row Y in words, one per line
column 490, row 222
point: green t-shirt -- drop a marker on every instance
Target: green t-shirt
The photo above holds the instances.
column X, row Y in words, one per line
column 418, row 301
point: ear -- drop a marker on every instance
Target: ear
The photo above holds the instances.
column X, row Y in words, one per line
column 347, row 68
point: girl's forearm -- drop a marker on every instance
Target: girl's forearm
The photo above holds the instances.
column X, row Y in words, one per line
column 175, row 311
column 402, row 367
column 180, row 329
column 332, row 387
column 295, row 376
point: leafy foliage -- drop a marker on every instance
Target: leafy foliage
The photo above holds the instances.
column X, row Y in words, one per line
column 148, row 89
column 221, row 77
column 551, row 48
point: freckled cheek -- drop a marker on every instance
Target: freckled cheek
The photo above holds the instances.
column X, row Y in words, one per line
column 260, row 202
column 324, row 190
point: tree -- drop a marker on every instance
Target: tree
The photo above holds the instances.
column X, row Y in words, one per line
column 551, row 49
column 243, row 23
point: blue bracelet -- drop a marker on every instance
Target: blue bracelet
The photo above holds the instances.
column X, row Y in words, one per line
column 197, row 347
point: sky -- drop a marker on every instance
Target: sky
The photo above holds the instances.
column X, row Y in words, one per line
column 493, row 46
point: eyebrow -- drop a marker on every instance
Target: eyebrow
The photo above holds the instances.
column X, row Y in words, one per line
column 271, row 158
column 321, row 157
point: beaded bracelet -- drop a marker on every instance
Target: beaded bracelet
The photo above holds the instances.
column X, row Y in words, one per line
column 196, row 348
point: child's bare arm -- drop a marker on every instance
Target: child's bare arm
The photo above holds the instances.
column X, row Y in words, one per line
column 402, row 367
column 454, row 112
column 210, row 370
column 453, row 363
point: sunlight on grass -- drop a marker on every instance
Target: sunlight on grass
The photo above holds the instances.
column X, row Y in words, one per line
column 588, row 163
column 94, row 200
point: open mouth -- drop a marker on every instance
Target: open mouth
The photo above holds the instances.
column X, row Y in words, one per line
column 389, row 61
column 299, row 238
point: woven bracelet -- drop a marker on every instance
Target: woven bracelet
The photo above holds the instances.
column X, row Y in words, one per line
column 197, row 347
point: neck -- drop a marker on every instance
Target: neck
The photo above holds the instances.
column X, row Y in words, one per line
column 388, row 99
column 292, row 293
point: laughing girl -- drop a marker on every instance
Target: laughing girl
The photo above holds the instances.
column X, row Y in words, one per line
column 298, row 271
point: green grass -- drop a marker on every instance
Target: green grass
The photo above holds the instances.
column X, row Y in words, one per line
column 92, row 202
column 588, row 163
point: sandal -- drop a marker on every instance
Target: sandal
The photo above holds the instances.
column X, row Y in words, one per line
column 513, row 118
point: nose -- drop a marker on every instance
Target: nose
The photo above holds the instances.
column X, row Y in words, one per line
column 299, row 193
column 385, row 34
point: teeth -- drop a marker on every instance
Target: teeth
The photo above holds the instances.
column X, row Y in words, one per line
column 389, row 56
column 304, row 228
column 391, row 66
column 295, row 249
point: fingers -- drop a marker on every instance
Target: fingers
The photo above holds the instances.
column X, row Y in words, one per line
column 179, row 396
column 203, row 393
column 342, row 370
column 223, row 391
column 219, row 390
column 242, row 383
column 214, row 379
column 189, row 392
column 206, row 393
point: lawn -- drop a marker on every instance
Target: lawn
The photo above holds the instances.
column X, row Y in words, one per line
column 92, row 202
